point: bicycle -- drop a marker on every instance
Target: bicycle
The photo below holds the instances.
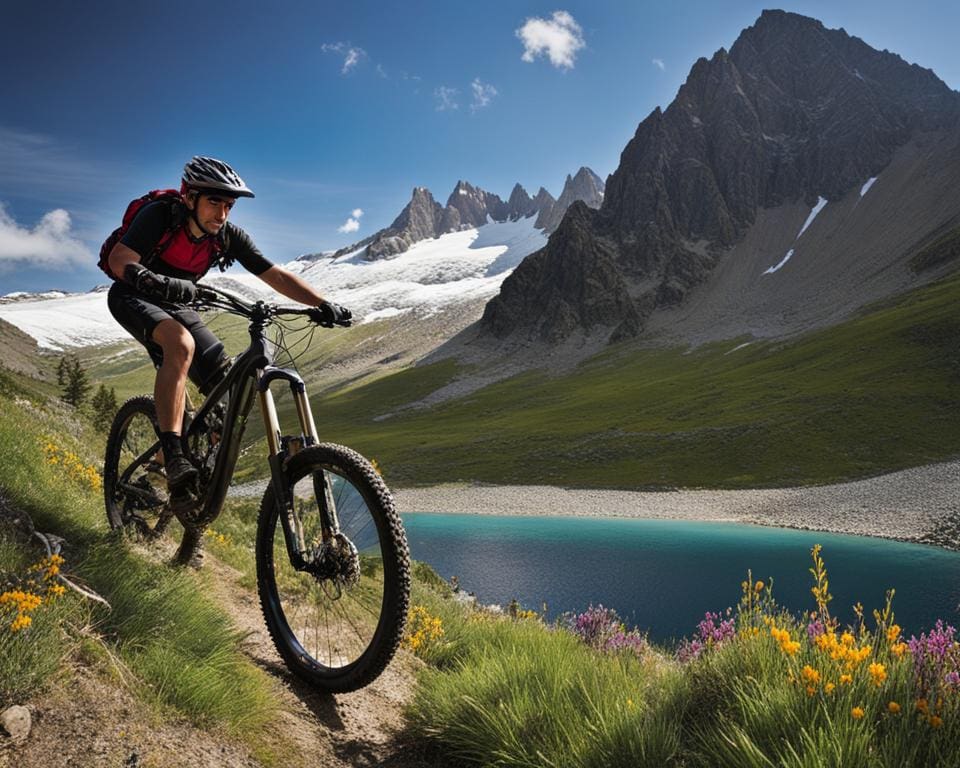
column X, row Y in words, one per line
column 332, row 561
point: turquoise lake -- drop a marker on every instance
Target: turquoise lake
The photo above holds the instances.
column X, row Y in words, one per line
column 662, row 576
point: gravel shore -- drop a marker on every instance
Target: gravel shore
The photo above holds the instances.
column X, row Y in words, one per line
column 919, row 505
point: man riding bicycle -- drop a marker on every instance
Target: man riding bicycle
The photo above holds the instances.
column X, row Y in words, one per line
column 158, row 260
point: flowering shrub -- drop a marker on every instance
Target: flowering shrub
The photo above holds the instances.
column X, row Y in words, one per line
column 85, row 474
column 602, row 629
column 712, row 631
column 424, row 632
column 25, row 595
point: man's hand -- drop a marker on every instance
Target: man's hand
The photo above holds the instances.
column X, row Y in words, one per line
column 171, row 289
column 329, row 314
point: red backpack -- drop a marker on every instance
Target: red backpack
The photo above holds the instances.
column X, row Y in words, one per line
column 172, row 196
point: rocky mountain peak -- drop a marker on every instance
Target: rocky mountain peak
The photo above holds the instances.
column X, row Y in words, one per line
column 585, row 185
column 792, row 112
column 469, row 206
column 520, row 205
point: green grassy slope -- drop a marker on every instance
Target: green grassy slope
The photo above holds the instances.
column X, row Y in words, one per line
column 874, row 394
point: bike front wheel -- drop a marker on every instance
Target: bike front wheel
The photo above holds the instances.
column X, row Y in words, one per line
column 337, row 634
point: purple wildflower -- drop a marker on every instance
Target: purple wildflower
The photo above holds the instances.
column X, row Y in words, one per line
column 935, row 660
column 711, row 632
column 602, row 629
column 814, row 629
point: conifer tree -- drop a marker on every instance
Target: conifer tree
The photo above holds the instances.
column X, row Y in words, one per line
column 76, row 386
column 62, row 372
column 104, row 404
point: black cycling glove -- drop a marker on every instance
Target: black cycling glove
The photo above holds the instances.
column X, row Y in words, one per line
column 163, row 287
column 329, row 314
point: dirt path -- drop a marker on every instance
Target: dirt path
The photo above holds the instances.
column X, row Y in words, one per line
column 91, row 715
column 355, row 729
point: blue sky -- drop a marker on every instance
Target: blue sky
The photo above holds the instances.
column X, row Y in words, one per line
column 327, row 108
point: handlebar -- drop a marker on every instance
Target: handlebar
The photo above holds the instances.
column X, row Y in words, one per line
column 209, row 297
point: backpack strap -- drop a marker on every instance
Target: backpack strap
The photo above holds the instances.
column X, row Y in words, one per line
column 178, row 217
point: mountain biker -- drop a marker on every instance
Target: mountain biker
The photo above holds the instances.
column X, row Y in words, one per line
column 159, row 259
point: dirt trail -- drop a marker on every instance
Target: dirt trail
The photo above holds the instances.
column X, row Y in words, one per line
column 91, row 715
column 353, row 729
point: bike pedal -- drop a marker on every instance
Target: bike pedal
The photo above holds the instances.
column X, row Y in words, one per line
column 185, row 505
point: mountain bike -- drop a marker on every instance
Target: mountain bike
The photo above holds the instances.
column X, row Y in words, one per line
column 332, row 561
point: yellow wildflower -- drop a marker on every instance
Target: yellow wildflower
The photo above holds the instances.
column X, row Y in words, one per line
column 857, row 713
column 758, row 586
column 893, row 708
column 828, row 688
column 935, row 721
column 879, row 673
column 21, row 622
column 899, row 649
column 846, row 679
column 847, row 640
column 893, row 632
column 810, row 675
column 922, row 706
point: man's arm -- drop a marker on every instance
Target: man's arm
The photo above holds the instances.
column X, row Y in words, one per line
column 291, row 286
column 120, row 256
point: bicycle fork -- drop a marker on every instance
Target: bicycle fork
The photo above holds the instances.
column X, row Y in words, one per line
column 281, row 448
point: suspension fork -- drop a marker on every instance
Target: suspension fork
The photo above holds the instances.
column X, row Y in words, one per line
column 280, row 449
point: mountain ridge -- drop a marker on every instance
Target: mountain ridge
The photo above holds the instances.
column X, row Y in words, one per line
column 468, row 207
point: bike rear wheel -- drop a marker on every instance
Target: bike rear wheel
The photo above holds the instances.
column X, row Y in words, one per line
column 338, row 637
column 134, row 484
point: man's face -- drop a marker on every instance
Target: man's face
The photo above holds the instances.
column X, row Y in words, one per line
column 212, row 211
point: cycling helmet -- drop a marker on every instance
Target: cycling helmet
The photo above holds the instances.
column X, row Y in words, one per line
column 210, row 174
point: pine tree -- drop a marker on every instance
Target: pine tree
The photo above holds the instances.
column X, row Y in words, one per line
column 104, row 404
column 62, row 372
column 76, row 388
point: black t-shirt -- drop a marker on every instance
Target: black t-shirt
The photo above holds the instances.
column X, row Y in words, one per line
column 155, row 219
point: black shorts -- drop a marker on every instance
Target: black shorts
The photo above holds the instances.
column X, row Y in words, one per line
column 139, row 314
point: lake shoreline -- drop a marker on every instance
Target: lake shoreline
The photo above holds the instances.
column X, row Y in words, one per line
column 919, row 505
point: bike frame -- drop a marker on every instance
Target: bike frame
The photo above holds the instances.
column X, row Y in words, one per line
column 249, row 379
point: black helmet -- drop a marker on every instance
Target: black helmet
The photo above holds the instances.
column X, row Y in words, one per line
column 207, row 173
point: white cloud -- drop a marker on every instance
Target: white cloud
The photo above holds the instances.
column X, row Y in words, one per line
column 446, row 98
column 559, row 38
column 352, row 55
column 483, row 94
column 658, row 63
column 353, row 223
column 49, row 245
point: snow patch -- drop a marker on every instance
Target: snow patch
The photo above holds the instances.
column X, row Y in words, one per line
column 67, row 321
column 432, row 276
column 783, row 261
column 821, row 202
column 383, row 314
column 866, row 187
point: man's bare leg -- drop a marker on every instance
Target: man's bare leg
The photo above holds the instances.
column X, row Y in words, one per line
column 169, row 394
